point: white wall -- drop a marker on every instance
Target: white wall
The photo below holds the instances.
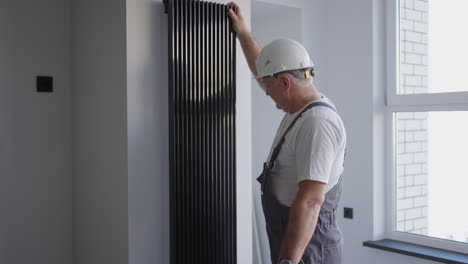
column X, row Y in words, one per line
column 35, row 133
column 147, row 113
column 243, row 148
column 110, row 131
column 348, row 74
column 99, row 78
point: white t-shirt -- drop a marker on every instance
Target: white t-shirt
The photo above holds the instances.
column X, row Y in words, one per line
column 314, row 149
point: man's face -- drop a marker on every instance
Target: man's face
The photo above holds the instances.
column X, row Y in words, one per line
column 273, row 89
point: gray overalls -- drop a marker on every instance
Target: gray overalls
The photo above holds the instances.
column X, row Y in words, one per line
column 326, row 244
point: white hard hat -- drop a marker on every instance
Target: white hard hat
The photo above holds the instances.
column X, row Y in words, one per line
column 282, row 55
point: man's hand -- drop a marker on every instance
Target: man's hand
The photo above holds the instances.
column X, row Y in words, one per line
column 238, row 22
column 247, row 41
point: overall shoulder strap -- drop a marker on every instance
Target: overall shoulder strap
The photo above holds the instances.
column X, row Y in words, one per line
column 277, row 149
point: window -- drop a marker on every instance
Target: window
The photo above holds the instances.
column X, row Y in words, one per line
column 427, row 103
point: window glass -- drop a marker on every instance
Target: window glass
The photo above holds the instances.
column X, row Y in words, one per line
column 433, row 39
column 431, row 173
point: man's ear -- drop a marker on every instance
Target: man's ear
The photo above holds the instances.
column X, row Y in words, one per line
column 286, row 82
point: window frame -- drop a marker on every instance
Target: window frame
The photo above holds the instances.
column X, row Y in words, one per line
column 450, row 101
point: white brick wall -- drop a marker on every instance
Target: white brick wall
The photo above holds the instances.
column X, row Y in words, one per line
column 412, row 14
column 412, row 59
column 413, row 147
column 412, row 125
column 411, row 167
column 421, row 6
column 405, row 204
column 413, row 44
column 409, row 4
column 412, row 213
column 420, row 70
column 413, row 80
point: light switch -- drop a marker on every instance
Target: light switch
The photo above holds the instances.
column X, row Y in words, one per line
column 44, row 84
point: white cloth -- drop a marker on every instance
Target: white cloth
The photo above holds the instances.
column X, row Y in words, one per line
column 314, row 149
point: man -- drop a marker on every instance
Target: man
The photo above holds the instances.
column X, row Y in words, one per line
column 301, row 181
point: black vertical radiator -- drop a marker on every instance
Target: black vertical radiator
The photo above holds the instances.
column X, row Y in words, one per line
column 202, row 98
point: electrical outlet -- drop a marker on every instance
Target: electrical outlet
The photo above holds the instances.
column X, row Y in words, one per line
column 348, row 213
